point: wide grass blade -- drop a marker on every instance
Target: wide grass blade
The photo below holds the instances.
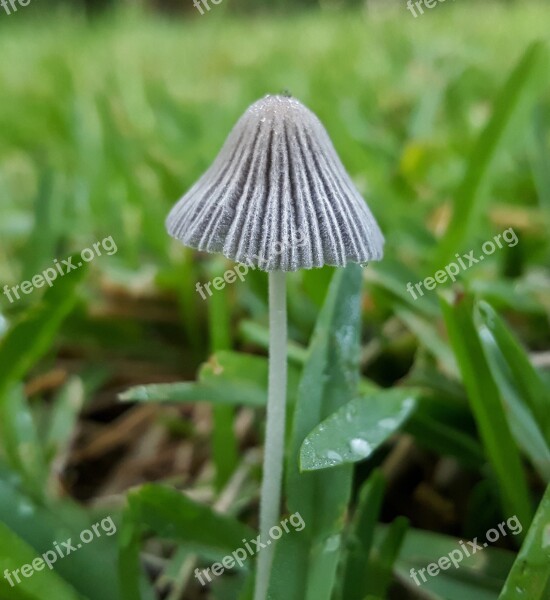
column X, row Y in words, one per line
column 14, row 554
column 479, row 575
column 356, row 430
column 329, row 381
column 172, row 515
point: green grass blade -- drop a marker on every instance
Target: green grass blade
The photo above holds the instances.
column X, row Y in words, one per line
column 258, row 334
column 357, row 429
column 469, row 200
column 530, row 575
column 380, row 569
column 172, row 515
column 21, row 443
column 133, row 582
column 480, row 575
column 329, row 381
column 224, row 441
column 487, row 409
column 64, row 416
column 14, row 554
column 517, row 377
column 232, row 378
column 29, row 339
column 361, row 537
column 540, row 156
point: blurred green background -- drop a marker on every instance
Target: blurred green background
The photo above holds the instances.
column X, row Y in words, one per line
column 109, row 112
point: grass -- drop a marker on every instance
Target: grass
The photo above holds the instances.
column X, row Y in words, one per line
column 443, row 123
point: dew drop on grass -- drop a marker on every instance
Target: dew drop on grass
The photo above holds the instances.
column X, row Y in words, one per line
column 407, row 403
column 25, row 509
column 332, row 543
column 360, row 447
column 3, row 325
column 334, row 457
column 351, row 413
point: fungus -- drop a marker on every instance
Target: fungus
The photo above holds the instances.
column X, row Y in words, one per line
column 277, row 198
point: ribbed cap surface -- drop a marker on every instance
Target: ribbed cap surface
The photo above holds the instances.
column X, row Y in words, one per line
column 277, row 196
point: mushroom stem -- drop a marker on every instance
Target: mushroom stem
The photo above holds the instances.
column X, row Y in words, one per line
column 270, row 501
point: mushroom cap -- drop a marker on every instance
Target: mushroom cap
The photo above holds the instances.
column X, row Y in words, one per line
column 277, row 196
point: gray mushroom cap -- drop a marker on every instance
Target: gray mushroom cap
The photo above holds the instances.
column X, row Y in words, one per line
column 277, row 196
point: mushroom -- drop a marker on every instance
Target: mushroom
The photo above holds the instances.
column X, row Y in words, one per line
column 278, row 198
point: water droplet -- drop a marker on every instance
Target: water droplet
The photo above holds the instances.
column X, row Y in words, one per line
column 350, row 413
column 332, row 544
column 360, row 447
column 3, row 325
column 25, row 509
column 334, row 456
column 407, row 403
column 387, row 423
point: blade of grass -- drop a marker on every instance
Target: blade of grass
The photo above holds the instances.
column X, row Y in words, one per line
column 487, row 409
column 329, row 381
column 470, row 197
column 171, row 514
column 30, row 338
column 540, row 155
column 14, row 553
column 361, row 537
column 530, row 575
column 224, row 441
column 20, row 440
column 356, row 430
column 381, row 566
column 520, row 379
column 232, row 378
